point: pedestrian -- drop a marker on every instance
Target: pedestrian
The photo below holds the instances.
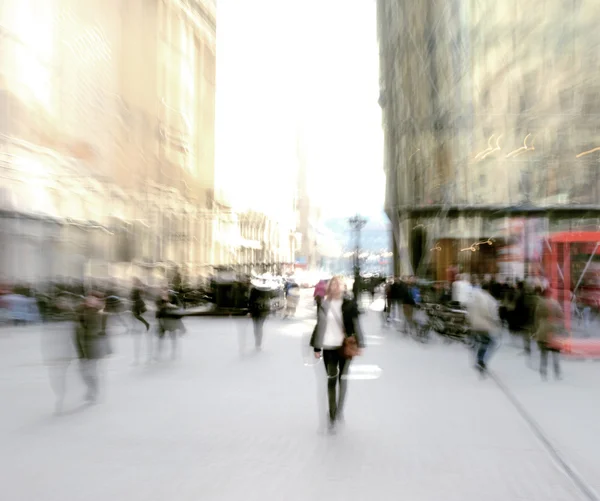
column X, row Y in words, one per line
column 168, row 320
column 91, row 341
column 115, row 307
column 485, row 322
column 387, row 308
column 292, row 300
column 259, row 306
column 337, row 337
column 518, row 317
column 407, row 298
column 395, row 299
column 549, row 322
column 138, row 308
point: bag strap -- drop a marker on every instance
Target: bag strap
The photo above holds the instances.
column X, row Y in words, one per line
column 338, row 320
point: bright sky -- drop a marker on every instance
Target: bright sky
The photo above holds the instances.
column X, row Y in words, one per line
column 289, row 65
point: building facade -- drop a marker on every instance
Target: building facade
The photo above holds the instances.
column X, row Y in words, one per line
column 488, row 116
column 106, row 135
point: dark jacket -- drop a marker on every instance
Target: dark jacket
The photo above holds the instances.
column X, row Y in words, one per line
column 137, row 301
column 349, row 317
column 91, row 341
column 259, row 302
column 168, row 308
column 549, row 320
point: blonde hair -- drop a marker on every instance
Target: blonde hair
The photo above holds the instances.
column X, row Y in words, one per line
column 339, row 280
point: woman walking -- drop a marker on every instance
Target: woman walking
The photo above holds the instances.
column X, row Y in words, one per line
column 337, row 337
column 550, row 324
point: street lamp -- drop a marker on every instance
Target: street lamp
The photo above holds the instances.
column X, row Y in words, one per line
column 357, row 223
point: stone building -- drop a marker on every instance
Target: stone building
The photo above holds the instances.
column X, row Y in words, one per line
column 488, row 116
column 107, row 134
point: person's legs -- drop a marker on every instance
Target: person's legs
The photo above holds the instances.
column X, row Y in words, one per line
column 174, row 335
column 331, row 359
column 258, row 330
column 543, row 359
column 526, row 341
column 409, row 325
column 161, row 336
column 484, row 342
column 138, row 317
column 344, row 366
column 149, row 346
column 556, row 362
column 89, row 374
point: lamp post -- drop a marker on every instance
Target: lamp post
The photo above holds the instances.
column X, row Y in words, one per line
column 357, row 223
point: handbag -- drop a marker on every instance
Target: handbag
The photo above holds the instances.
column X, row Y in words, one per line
column 349, row 348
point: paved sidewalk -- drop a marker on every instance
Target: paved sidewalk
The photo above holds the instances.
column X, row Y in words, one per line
column 221, row 425
column 568, row 411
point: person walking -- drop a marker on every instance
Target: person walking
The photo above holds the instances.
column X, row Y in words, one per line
column 292, row 298
column 91, row 342
column 396, row 299
column 337, row 336
column 259, row 306
column 138, row 308
column 408, row 305
column 485, row 322
column 169, row 320
column 549, row 322
column 387, row 308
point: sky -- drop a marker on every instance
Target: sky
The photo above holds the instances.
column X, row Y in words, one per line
column 299, row 67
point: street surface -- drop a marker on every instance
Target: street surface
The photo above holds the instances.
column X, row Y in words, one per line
column 225, row 423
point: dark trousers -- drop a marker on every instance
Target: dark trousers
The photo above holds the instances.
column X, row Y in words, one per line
column 545, row 348
column 259, row 322
column 318, row 301
column 409, row 322
column 484, row 343
column 337, row 368
column 174, row 326
column 526, row 340
column 138, row 316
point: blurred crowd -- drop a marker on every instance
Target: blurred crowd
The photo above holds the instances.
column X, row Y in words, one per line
column 478, row 310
